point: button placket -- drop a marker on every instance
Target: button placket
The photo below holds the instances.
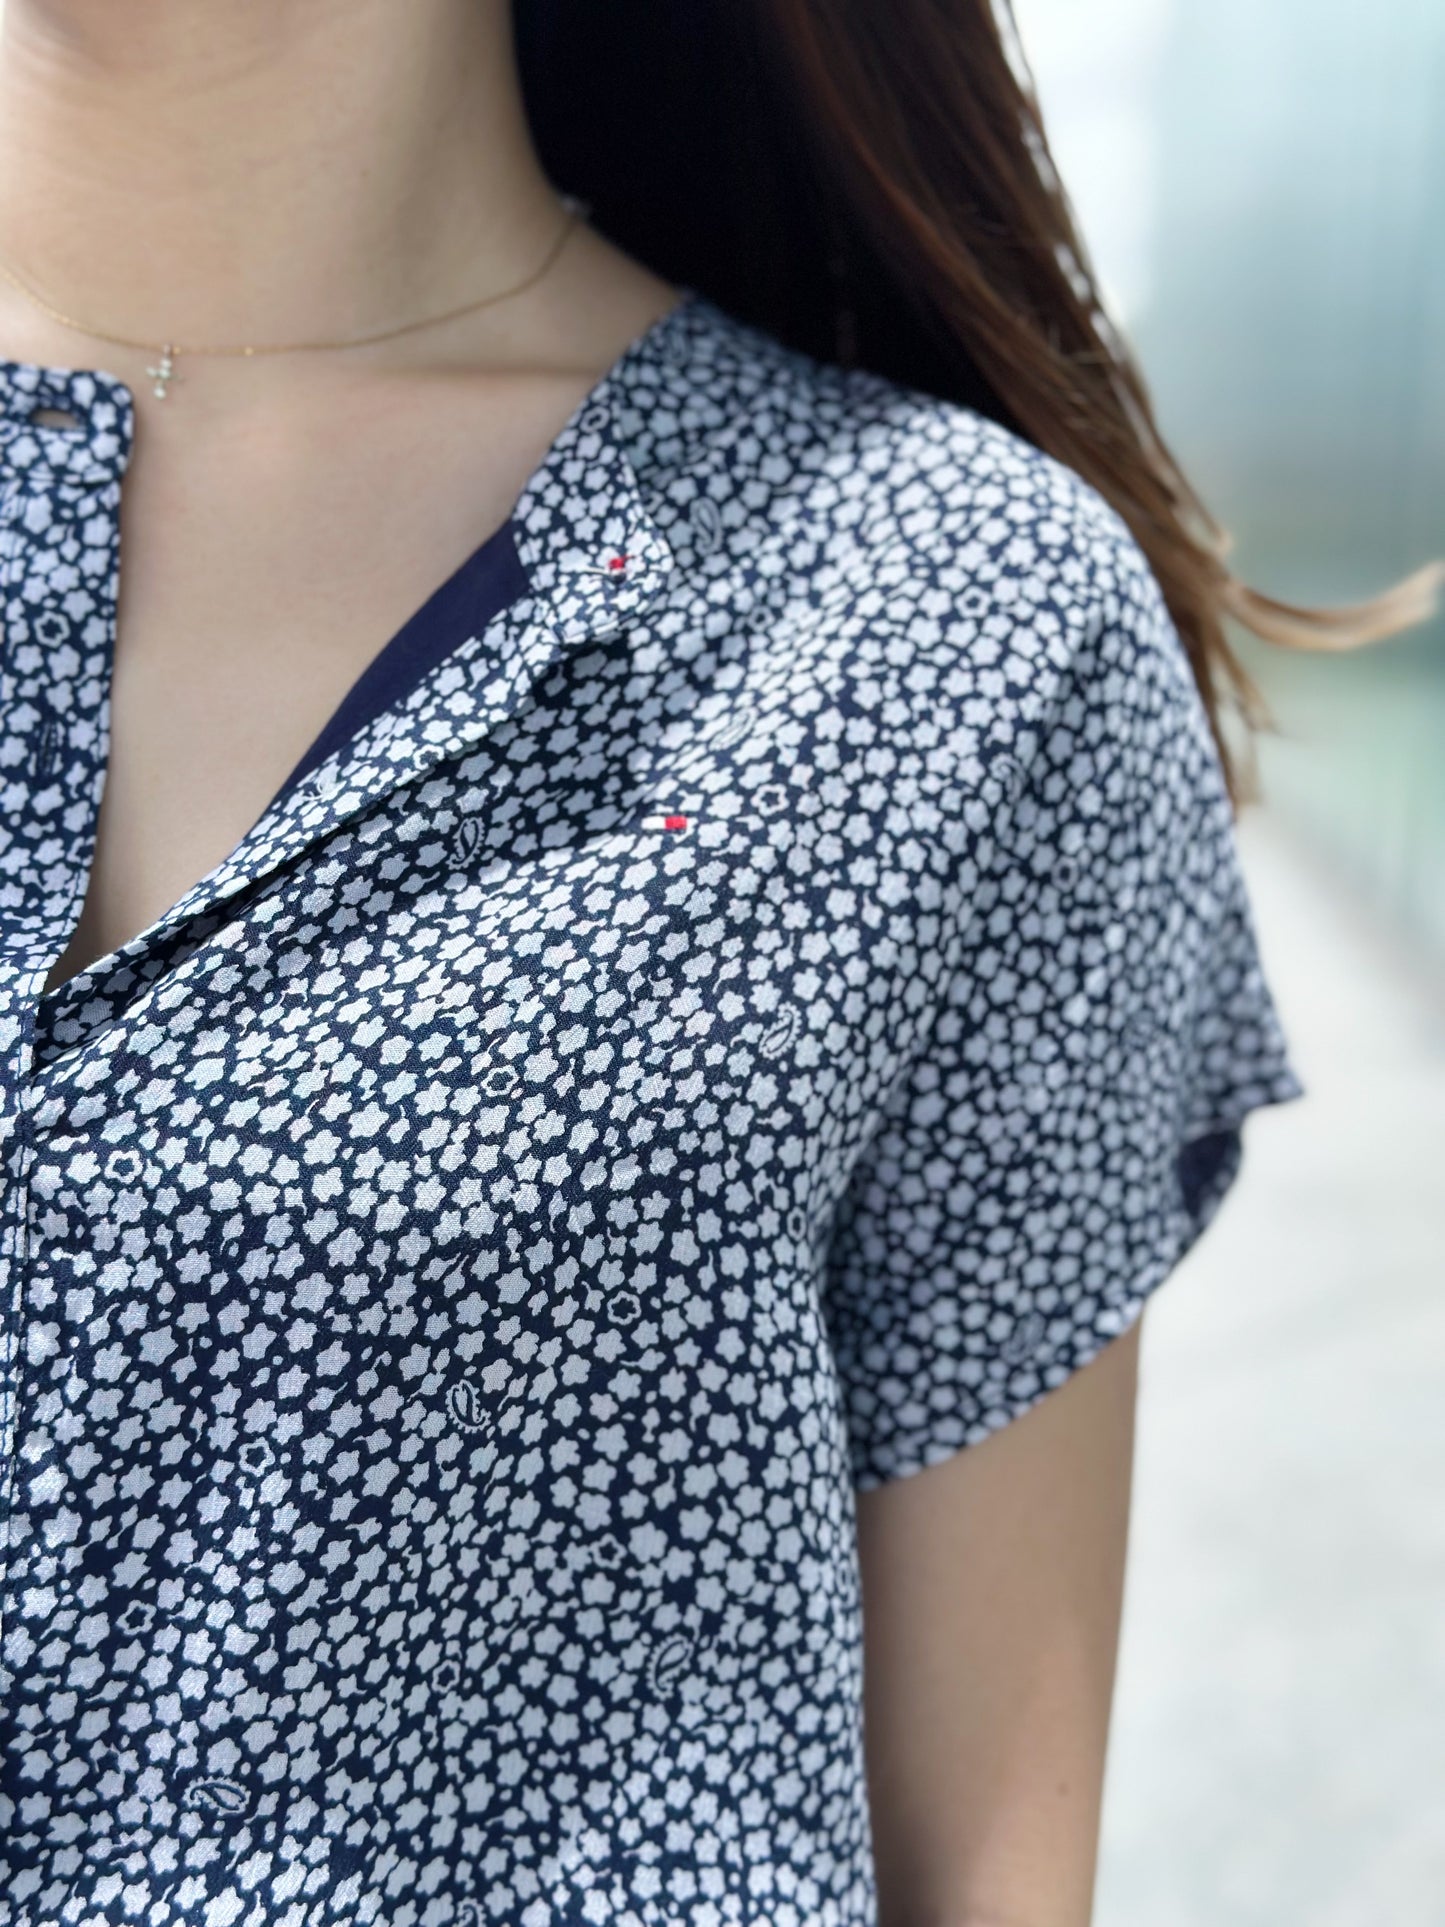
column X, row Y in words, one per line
column 58, row 513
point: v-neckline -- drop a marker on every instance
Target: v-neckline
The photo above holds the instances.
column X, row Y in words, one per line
column 482, row 585
column 569, row 600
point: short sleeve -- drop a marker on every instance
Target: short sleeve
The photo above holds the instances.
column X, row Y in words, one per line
column 1071, row 1120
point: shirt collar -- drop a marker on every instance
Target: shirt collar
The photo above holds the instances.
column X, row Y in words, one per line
column 592, row 552
column 595, row 558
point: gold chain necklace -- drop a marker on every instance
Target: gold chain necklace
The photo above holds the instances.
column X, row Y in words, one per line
column 163, row 373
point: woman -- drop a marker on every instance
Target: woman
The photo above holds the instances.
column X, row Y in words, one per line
column 621, row 937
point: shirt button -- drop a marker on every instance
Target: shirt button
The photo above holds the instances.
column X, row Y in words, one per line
column 46, row 752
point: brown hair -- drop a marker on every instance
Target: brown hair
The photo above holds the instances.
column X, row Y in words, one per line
column 871, row 183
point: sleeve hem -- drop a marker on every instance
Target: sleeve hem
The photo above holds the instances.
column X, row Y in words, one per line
column 1208, row 1162
column 940, row 1450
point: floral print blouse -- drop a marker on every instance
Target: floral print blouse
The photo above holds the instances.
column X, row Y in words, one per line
column 744, row 1000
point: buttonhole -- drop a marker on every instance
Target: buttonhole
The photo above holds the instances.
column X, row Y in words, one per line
column 55, row 418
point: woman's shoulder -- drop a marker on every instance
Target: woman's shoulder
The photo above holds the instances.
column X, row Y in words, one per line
column 870, row 497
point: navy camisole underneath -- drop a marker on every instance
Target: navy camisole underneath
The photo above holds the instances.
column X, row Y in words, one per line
column 489, row 580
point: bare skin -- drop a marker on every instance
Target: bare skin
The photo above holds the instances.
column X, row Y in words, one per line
column 281, row 170
column 992, row 1596
column 272, row 171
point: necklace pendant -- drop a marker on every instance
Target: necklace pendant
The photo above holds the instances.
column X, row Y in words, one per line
column 164, row 373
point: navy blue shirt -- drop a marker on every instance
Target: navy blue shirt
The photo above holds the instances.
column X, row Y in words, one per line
column 751, row 991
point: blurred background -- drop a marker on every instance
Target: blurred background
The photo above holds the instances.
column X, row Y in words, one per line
column 1262, row 189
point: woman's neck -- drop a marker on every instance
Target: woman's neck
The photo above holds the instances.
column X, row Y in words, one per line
column 264, row 170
